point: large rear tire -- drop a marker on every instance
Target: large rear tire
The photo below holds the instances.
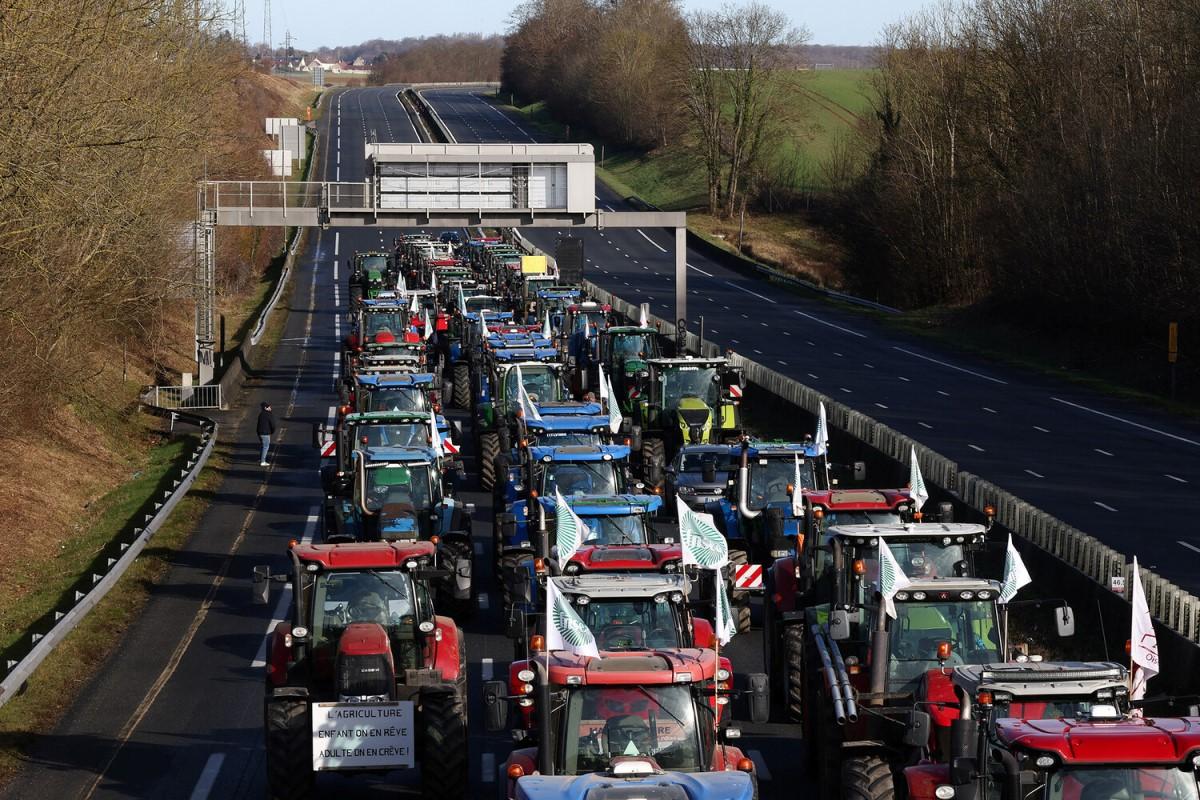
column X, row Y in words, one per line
column 739, row 601
column 444, row 747
column 867, row 777
column 654, row 460
column 508, row 563
column 289, row 750
column 793, row 670
column 489, row 448
column 461, row 394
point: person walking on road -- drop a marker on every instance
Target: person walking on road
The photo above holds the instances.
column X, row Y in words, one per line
column 266, row 427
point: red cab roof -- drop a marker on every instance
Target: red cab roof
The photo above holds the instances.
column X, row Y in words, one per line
column 627, row 558
column 1127, row 740
column 358, row 555
column 657, row 668
column 858, row 499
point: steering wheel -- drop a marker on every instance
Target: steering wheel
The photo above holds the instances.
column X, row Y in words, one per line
column 904, row 650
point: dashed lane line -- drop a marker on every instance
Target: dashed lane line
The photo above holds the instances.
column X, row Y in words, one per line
column 1035, row 474
column 1129, row 422
column 827, row 323
column 651, row 241
column 208, row 777
column 951, row 366
column 1105, row 506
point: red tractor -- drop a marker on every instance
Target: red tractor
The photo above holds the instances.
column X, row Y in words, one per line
column 653, row 704
column 363, row 675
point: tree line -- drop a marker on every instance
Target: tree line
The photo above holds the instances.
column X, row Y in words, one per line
column 440, row 59
column 113, row 109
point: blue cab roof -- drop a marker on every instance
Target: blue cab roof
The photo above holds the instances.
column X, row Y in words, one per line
column 414, row 379
column 605, row 452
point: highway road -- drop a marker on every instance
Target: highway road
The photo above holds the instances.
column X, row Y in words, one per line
column 176, row 712
column 1127, row 475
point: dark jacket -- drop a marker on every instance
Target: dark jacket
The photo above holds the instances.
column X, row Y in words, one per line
column 266, row 423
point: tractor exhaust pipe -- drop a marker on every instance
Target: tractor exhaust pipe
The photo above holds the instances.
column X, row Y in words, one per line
column 744, row 484
column 832, row 684
column 545, row 733
column 879, row 659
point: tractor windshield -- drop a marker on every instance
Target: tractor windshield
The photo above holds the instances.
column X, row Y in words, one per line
column 605, row 722
column 541, row 384
column 771, row 477
column 633, row 346
column 917, row 559
column 373, row 263
column 580, row 477
column 679, row 382
column 483, row 302
column 377, row 322
column 398, row 490
column 860, row 517
column 396, row 398
column 386, row 597
column 694, row 462
column 631, row 625
column 615, row 530
column 1125, row 782
column 565, row 439
column 405, row 434
column 968, row 627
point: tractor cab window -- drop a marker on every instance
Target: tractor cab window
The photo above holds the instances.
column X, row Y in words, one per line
column 580, row 477
column 565, row 439
column 409, row 434
column 694, row 462
column 615, row 530
column 541, row 384
column 689, row 382
column 862, row 518
column 397, row 398
column 631, row 625
column 970, row 628
column 377, row 322
column 771, row 477
column 604, row 722
column 633, row 346
column 482, row 302
column 917, row 559
column 379, row 596
column 1059, row 708
column 1126, row 782
column 398, row 490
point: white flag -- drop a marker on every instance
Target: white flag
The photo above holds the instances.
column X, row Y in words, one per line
column 433, row 284
column 891, row 578
column 564, row 629
column 413, row 306
column 703, row 544
column 726, row 627
column 1143, row 642
column 483, row 331
column 603, row 387
column 428, row 326
column 528, row 409
column 571, row 530
column 821, row 440
column 642, row 321
column 546, row 331
column 797, row 491
column 916, row 482
column 462, row 301
column 615, row 418
column 435, row 437
column 1015, row 574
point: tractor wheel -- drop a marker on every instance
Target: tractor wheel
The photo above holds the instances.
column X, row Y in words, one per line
column 739, row 602
column 289, row 750
column 654, row 458
column 867, row 777
column 461, row 389
column 508, row 563
column 489, row 448
column 444, row 748
column 793, row 671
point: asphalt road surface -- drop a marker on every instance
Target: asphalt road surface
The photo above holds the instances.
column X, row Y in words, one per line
column 176, row 712
column 1126, row 475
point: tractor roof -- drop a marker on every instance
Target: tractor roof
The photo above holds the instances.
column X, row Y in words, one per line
column 382, row 456
column 1127, row 740
column 530, row 354
column 360, row 555
column 955, row 532
column 612, row 505
column 952, row 588
column 362, row 253
column 568, row 423
column 858, row 499
column 560, row 292
column 687, row 361
column 640, row 668
column 623, row 558
column 395, row 381
column 783, row 449
column 604, row 452
column 1041, row 678
column 386, row 417
column 608, row 586
column 628, row 329
column 570, row 408
column 644, row 782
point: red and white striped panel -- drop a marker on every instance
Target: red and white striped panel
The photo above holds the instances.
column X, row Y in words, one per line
column 329, row 449
column 748, row 576
column 735, row 391
column 450, row 447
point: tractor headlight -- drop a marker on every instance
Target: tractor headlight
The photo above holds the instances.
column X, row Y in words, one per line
column 572, row 568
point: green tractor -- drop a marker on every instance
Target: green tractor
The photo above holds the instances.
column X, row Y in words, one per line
column 680, row 401
column 371, row 272
column 623, row 352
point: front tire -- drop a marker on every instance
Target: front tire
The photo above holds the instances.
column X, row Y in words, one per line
column 461, row 386
column 739, row 601
column 653, row 461
column 289, row 750
column 489, row 448
column 793, row 671
column 867, row 778
column 444, row 747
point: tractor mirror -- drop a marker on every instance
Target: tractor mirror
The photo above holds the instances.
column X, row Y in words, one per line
column 860, row 470
column 916, row 729
column 839, row 625
column 495, row 706
column 946, row 511
column 1064, row 620
column 760, row 698
column 260, row 587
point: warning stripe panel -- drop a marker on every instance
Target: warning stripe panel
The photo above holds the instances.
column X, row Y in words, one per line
column 329, row 449
column 748, row 576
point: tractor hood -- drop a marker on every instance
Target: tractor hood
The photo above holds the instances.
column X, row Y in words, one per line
column 623, row 557
column 1125, row 740
column 656, row 785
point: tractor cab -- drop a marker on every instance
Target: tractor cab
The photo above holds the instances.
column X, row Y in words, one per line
column 554, row 302
column 371, row 272
column 362, row 431
column 376, row 322
column 389, row 392
column 398, row 357
column 624, row 352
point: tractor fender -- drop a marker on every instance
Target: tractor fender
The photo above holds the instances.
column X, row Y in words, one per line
column 443, row 654
column 702, row 633
column 456, row 547
column 782, row 585
column 726, row 757
column 923, row 780
column 937, row 692
column 279, row 655
column 526, row 758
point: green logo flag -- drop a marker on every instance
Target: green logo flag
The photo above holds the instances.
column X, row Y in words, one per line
column 726, row 627
column 703, row 544
column 572, row 531
column 564, row 629
column 1015, row 574
column 891, row 578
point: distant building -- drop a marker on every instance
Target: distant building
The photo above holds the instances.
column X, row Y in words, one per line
column 360, row 63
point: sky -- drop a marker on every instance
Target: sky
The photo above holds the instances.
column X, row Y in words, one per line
column 331, row 23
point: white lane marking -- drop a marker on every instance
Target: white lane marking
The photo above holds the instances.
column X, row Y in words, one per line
column 1173, row 477
column 839, row 355
column 484, row 601
column 951, row 366
column 760, row 765
column 335, row 271
column 487, row 768
column 782, row 363
column 338, row 175
column 1035, row 474
column 1105, row 506
column 1188, row 545
column 706, row 274
column 881, row 405
column 925, row 425
column 1102, row 452
column 337, row 241
column 786, row 333
column 486, row 668
column 865, row 364
column 758, row 352
column 844, row 389
column 1040, row 428
column 1126, row 421
column 990, row 410
column 906, row 380
column 208, row 777
column 285, row 597
column 651, row 241
column 943, row 394
column 830, row 324
column 747, row 291
column 814, row 377
column 975, row 447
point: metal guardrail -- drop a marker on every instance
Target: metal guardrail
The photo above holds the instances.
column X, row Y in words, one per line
column 1172, row 606
column 175, row 397
column 273, row 196
column 40, row 639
